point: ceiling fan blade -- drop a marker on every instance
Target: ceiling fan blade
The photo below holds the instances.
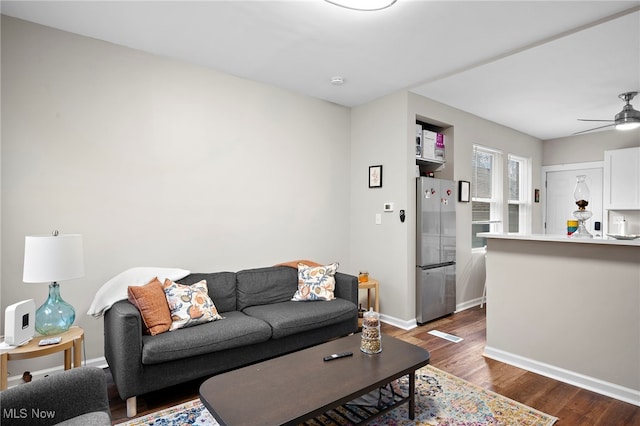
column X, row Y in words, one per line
column 595, row 128
column 586, row 119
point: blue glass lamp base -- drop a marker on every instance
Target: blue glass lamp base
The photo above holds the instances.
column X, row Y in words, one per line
column 55, row 316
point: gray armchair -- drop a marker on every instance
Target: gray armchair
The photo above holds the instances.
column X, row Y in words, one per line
column 73, row 397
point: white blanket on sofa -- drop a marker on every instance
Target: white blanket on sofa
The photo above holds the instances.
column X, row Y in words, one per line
column 116, row 288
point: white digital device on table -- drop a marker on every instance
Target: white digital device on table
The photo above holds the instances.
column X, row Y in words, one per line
column 19, row 322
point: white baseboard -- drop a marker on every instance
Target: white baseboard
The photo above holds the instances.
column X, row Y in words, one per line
column 397, row 322
column 411, row 324
column 36, row 375
column 632, row 396
column 469, row 304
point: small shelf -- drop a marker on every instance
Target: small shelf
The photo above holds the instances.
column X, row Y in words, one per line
column 435, row 164
column 430, row 165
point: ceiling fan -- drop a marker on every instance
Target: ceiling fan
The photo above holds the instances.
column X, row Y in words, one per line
column 626, row 119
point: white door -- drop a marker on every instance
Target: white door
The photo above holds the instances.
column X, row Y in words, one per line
column 560, row 204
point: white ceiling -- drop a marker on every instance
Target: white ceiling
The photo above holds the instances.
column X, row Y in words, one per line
column 535, row 66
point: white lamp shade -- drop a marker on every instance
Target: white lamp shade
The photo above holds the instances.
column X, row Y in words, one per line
column 49, row 258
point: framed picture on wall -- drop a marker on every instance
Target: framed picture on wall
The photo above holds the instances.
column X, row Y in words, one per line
column 464, row 191
column 375, row 176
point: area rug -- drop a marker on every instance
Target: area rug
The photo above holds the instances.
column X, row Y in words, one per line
column 441, row 400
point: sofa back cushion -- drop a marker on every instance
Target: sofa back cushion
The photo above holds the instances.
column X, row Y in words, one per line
column 221, row 286
column 264, row 286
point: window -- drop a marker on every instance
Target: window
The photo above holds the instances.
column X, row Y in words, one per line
column 486, row 193
column 519, row 200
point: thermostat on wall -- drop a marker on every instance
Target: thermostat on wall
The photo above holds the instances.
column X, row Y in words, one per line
column 388, row 207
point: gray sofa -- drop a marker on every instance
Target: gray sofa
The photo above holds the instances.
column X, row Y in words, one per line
column 72, row 397
column 260, row 322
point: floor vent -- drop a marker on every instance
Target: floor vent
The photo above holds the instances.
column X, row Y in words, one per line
column 447, row 336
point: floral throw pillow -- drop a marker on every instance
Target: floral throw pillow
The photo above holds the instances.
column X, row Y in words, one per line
column 189, row 304
column 316, row 282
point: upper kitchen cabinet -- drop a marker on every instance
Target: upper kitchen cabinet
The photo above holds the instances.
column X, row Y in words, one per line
column 622, row 179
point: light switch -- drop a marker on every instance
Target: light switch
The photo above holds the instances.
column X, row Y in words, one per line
column 378, row 219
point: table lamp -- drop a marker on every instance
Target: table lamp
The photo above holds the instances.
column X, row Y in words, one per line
column 53, row 258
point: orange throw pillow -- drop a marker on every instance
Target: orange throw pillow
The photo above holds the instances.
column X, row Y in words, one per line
column 152, row 304
column 294, row 263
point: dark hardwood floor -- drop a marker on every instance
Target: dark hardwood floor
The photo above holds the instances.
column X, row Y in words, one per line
column 572, row 405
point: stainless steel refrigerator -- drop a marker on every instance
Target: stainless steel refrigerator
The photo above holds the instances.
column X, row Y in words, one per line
column 435, row 248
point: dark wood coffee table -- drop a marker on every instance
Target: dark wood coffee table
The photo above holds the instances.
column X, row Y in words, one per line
column 300, row 386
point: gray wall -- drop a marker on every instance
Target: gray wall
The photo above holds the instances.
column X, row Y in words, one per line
column 383, row 132
column 587, row 147
column 160, row 163
column 468, row 130
column 378, row 137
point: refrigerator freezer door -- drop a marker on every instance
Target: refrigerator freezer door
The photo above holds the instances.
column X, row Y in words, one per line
column 436, row 293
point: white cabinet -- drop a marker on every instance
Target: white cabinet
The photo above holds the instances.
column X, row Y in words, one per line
column 622, row 179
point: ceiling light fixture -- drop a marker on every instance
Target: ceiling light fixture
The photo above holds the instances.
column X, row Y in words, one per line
column 337, row 81
column 628, row 118
column 363, row 5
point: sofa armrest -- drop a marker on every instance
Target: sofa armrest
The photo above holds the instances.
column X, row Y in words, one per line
column 57, row 398
column 123, row 346
column 347, row 287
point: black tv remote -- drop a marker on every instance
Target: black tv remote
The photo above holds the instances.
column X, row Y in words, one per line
column 336, row 356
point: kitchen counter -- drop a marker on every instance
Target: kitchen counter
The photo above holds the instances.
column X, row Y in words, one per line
column 562, row 239
column 566, row 308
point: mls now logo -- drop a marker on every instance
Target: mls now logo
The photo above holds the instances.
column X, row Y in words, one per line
column 23, row 413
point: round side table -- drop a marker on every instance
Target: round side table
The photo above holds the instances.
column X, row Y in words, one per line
column 374, row 285
column 71, row 341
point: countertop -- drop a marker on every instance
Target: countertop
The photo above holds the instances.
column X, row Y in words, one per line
column 562, row 239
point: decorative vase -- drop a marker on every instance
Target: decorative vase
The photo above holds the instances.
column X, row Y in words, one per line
column 371, row 341
column 582, row 196
column 55, row 316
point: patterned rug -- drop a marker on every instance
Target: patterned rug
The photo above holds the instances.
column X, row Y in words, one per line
column 441, row 400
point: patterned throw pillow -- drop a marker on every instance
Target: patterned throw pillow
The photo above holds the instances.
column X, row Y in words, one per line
column 189, row 304
column 316, row 282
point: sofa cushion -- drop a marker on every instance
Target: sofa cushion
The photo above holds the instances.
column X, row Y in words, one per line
column 316, row 282
column 263, row 286
column 152, row 304
column 236, row 329
column 222, row 288
column 291, row 317
column 189, row 304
